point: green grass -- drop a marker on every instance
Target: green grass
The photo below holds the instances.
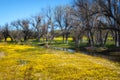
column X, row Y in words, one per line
column 23, row 62
column 58, row 42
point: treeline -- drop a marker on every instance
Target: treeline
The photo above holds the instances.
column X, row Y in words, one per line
column 95, row 19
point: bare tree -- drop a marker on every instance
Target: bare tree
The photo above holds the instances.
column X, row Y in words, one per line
column 17, row 32
column 108, row 11
column 6, row 32
column 36, row 23
column 83, row 11
column 1, row 36
column 63, row 20
column 25, row 28
column 78, row 31
column 110, row 8
column 50, row 23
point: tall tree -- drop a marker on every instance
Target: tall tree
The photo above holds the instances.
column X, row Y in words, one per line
column 83, row 11
column 36, row 23
column 50, row 23
column 25, row 28
column 17, row 32
column 63, row 20
column 111, row 9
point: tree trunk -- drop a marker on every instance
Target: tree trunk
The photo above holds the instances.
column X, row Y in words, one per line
column 100, row 38
column 25, row 38
column 43, row 39
column 63, row 38
column 90, row 38
column 67, row 38
column 77, row 42
column 89, row 41
column 105, row 39
column 117, row 39
column 46, row 39
column 38, row 38
column 5, row 39
column 52, row 38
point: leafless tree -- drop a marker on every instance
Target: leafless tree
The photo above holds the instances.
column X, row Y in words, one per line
column 1, row 36
column 6, row 32
column 50, row 23
column 36, row 23
column 25, row 28
column 83, row 11
column 17, row 32
column 111, row 9
column 63, row 20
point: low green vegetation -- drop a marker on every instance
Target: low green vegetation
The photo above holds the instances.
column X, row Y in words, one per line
column 24, row 62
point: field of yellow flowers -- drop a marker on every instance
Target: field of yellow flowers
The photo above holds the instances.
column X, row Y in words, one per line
column 23, row 62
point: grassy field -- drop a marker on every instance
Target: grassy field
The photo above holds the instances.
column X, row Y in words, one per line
column 23, row 62
column 58, row 42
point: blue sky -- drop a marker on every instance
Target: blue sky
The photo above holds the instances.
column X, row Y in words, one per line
column 11, row 10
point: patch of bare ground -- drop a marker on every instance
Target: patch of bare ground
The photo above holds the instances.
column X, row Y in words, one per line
column 2, row 54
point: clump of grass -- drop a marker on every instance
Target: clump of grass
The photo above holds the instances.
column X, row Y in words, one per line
column 25, row 62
